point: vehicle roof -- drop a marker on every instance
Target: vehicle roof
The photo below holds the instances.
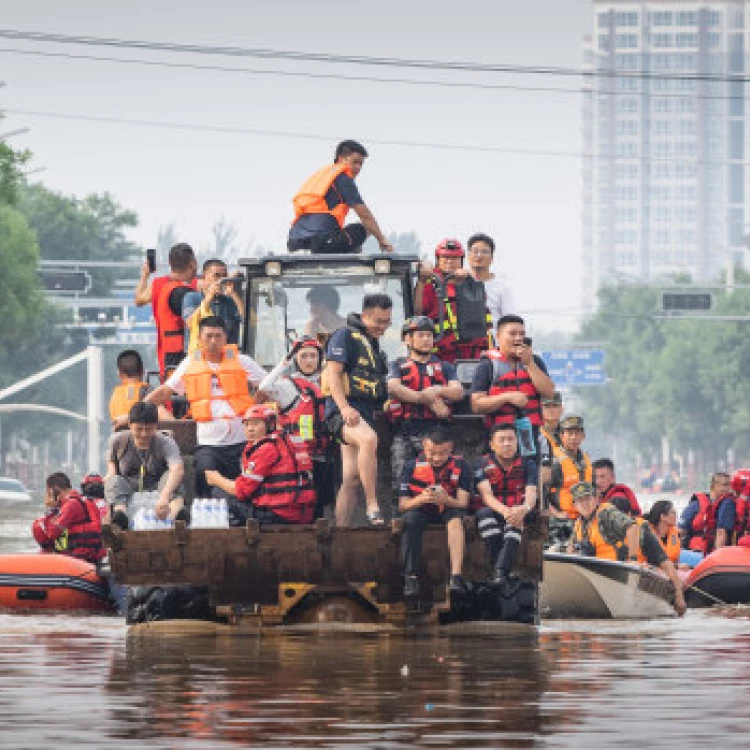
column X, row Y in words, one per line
column 299, row 260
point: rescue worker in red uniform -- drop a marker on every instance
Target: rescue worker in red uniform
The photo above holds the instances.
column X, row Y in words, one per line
column 324, row 200
column 510, row 381
column 132, row 388
column 436, row 296
column 294, row 386
column 72, row 523
column 607, row 487
column 708, row 521
column 421, row 390
column 434, row 489
column 165, row 295
column 741, row 489
column 276, row 483
column 507, row 487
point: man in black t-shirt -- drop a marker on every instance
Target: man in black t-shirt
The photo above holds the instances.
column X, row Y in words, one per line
column 324, row 200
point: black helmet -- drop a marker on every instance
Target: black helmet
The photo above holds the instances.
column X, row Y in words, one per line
column 417, row 323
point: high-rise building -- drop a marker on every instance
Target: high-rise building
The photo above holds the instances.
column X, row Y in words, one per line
column 664, row 139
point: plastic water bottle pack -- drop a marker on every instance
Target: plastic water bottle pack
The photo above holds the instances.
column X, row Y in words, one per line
column 209, row 513
column 143, row 514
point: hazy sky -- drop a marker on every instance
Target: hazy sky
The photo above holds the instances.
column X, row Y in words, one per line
column 529, row 203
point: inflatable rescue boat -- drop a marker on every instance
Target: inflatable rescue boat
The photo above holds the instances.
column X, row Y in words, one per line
column 721, row 578
column 587, row 588
column 54, row 583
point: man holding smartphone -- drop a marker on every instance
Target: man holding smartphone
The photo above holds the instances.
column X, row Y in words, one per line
column 219, row 297
column 510, row 381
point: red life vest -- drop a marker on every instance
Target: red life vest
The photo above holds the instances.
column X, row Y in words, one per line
column 170, row 328
column 289, row 486
column 423, row 476
column 83, row 539
column 447, row 344
column 703, row 528
column 508, row 485
column 625, row 491
column 309, row 407
column 508, row 377
column 416, row 378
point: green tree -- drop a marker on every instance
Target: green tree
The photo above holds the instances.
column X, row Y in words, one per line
column 11, row 177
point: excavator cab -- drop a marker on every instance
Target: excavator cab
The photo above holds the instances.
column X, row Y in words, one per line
column 289, row 296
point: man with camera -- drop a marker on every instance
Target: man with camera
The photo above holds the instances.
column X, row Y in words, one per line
column 219, row 297
column 509, row 383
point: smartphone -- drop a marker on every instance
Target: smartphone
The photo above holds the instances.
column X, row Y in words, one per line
column 526, row 341
column 151, row 258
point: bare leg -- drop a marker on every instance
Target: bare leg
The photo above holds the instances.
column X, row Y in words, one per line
column 366, row 441
column 347, row 495
column 455, row 528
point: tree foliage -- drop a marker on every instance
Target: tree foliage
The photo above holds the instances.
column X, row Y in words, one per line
column 683, row 377
column 11, row 178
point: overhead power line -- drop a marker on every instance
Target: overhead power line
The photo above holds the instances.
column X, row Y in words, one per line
column 236, row 130
column 325, row 57
column 357, row 78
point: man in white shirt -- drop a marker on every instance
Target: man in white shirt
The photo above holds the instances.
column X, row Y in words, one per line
column 215, row 380
column 481, row 253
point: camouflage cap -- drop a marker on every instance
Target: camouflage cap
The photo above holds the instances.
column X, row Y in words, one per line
column 556, row 400
column 581, row 489
column 572, row 422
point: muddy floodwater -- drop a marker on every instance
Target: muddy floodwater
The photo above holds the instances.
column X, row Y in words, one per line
column 82, row 682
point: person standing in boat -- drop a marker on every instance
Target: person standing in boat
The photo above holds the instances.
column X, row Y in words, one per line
column 607, row 487
column 422, row 390
column 71, row 524
column 435, row 488
column 708, row 521
column 507, row 485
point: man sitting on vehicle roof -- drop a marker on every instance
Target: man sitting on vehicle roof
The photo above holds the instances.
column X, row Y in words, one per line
column 435, row 488
column 324, row 200
column 141, row 459
column 354, row 381
column 276, row 483
column 71, row 524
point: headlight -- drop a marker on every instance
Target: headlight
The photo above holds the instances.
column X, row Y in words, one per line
column 273, row 268
column 382, row 266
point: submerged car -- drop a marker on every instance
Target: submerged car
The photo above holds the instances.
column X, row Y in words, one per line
column 13, row 491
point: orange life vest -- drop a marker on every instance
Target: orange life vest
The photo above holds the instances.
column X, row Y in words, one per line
column 124, row 396
column 671, row 545
column 170, row 328
column 573, row 472
column 592, row 543
column 506, row 377
column 311, row 197
column 232, row 379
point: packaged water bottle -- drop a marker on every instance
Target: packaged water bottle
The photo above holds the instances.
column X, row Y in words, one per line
column 525, row 434
column 210, row 514
column 197, row 513
column 223, row 514
column 149, row 519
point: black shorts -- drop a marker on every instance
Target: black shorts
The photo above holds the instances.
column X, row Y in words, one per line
column 334, row 424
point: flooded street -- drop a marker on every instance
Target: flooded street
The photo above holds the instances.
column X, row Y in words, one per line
column 81, row 682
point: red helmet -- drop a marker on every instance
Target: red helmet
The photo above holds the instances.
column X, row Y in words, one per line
column 741, row 482
column 449, row 249
column 263, row 412
column 92, row 477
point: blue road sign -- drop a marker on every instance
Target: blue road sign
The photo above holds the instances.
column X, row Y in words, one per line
column 576, row 366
